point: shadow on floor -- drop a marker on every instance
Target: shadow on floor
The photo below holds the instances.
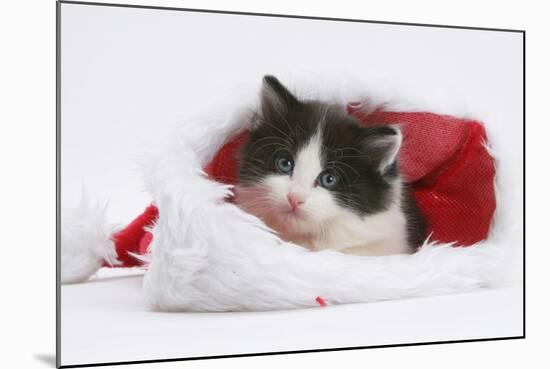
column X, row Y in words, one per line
column 113, row 278
column 48, row 359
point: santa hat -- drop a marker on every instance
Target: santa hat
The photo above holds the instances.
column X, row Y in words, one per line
column 444, row 160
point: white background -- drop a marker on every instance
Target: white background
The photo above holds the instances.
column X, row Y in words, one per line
column 130, row 76
column 29, row 137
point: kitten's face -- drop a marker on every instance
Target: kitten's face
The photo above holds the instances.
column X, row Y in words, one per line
column 307, row 162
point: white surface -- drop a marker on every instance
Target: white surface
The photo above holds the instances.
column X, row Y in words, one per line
column 107, row 319
column 129, row 75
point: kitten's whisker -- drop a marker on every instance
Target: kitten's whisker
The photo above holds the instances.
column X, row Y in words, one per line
column 342, row 173
column 351, row 148
column 349, row 166
column 273, row 138
column 286, row 135
column 281, row 146
column 283, row 117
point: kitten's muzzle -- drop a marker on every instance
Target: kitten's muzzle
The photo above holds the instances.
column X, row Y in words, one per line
column 295, row 201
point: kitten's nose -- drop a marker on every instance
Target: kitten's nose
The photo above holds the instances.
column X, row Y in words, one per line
column 294, row 200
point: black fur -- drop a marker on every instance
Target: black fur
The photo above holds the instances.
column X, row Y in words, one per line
column 351, row 151
column 416, row 223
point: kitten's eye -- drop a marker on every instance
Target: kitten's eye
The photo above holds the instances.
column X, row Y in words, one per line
column 284, row 165
column 328, row 180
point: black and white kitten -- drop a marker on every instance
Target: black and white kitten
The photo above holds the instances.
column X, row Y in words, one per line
column 318, row 178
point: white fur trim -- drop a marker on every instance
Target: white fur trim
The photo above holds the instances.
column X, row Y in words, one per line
column 85, row 242
column 208, row 255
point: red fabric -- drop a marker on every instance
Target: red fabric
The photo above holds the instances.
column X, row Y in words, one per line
column 450, row 173
column 134, row 238
column 223, row 168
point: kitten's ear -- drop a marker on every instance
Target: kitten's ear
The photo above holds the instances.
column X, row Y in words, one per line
column 276, row 98
column 382, row 144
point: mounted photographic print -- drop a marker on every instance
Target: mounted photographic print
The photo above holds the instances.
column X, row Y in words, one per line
column 243, row 184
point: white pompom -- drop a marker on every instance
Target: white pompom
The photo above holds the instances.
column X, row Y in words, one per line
column 85, row 242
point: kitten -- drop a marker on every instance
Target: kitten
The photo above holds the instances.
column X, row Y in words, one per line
column 318, row 178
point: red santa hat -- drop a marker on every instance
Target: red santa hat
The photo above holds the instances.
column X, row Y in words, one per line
column 443, row 159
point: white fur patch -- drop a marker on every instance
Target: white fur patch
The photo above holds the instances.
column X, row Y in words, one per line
column 307, row 167
column 85, row 242
column 393, row 142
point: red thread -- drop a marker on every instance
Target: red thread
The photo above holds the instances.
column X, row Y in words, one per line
column 134, row 238
column 320, row 301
